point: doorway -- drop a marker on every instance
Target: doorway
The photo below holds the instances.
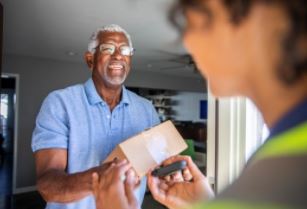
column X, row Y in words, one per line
column 7, row 133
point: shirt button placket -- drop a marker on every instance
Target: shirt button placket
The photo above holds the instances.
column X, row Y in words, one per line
column 109, row 121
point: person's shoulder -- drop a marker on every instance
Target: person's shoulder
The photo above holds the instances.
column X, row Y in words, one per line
column 67, row 93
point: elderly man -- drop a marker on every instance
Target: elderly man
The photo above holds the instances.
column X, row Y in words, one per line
column 77, row 127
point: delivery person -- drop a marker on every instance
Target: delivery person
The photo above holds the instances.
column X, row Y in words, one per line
column 252, row 48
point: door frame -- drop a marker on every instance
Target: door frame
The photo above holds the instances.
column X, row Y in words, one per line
column 212, row 140
column 16, row 114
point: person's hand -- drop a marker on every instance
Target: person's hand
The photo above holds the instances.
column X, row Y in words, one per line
column 114, row 187
column 102, row 167
column 180, row 190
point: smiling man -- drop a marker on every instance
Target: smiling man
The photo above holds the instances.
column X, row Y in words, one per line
column 77, row 127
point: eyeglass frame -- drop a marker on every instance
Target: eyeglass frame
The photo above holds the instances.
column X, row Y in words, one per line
column 132, row 50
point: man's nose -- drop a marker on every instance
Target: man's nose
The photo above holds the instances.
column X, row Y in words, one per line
column 117, row 54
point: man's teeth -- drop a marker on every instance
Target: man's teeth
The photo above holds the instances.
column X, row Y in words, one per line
column 116, row 67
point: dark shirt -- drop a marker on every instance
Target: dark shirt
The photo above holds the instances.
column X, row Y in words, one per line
column 291, row 119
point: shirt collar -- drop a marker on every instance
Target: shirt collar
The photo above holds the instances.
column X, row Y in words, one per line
column 94, row 97
column 125, row 96
column 297, row 115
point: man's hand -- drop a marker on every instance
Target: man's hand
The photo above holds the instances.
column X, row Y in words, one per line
column 180, row 189
column 114, row 187
column 55, row 184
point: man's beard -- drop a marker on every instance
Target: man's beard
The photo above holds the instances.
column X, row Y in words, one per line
column 115, row 80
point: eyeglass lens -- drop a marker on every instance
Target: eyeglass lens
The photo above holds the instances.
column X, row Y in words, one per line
column 110, row 49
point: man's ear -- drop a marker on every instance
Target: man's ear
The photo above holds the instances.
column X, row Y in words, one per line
column 89, row 59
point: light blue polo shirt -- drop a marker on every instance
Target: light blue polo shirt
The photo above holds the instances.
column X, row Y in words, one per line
column 78, row 119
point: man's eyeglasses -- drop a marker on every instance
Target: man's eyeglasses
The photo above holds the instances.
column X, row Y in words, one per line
column 110, row 49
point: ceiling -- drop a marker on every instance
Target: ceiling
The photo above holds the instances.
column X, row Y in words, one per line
column 53, row 29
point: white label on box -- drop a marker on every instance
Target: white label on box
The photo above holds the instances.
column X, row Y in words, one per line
column 157, row 145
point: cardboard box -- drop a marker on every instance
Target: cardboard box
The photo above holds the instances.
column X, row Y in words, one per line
column 149, row 148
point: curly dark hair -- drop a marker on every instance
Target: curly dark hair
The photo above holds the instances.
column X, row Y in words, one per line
column 294, row 63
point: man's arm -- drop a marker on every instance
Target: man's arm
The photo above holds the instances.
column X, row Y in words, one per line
column 53, row 182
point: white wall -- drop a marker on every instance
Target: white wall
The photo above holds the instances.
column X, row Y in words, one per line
column 188, row 107
column 40, row 76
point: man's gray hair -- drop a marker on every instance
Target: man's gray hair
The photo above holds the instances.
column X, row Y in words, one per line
column 107, row 28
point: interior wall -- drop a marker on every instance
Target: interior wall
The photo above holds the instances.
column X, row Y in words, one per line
column 38, row 77
column 188, row 107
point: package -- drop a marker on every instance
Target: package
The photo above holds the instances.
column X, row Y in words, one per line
column 150, row 147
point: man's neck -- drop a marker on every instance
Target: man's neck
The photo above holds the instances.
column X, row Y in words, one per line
column 111, row 97
column 274, row 103
column 110, row 94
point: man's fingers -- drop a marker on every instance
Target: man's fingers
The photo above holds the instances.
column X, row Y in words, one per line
column 136, row 178
column 122, row 167
column 177, row 177
column 118, row 171
column 115, row 173
column 163, row 186
column 194, row 171
column 156, row 191
column 120, row 162
column 105, row 165
column 187, row 175
column 108, row 170
column 95, row 183
column 129, row 189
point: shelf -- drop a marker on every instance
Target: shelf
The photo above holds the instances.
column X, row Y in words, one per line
column 162, row 106
column 158, row 96
column 200, row 146
column 166, row 115
column 200, row 159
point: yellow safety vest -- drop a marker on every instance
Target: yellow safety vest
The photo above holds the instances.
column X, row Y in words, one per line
column 291, row 143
